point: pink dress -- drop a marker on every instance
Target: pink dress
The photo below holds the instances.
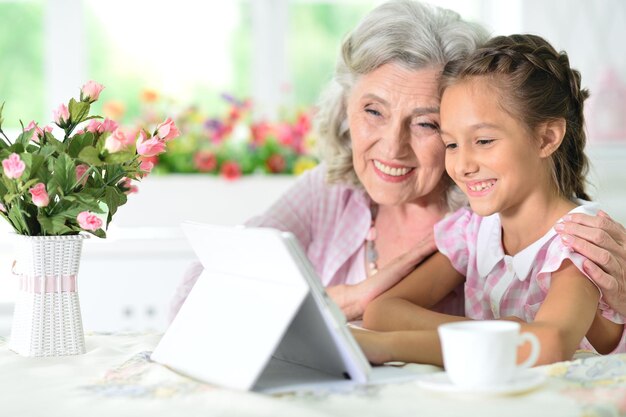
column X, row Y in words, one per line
column 330, row 222
column 499, row 285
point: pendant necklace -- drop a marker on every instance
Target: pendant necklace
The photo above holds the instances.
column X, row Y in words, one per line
column 370, row 243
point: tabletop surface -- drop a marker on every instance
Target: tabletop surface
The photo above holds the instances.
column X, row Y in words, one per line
column 116, row 378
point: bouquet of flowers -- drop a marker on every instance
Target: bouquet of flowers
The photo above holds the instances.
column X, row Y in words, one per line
column 51, row 187
column 231, row 145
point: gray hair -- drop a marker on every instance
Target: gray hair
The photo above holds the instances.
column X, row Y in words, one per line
column 406, row 32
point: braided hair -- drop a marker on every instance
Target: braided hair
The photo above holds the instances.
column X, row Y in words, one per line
column 536, row 85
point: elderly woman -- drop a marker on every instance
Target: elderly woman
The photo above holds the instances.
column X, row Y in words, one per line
column 373, row 202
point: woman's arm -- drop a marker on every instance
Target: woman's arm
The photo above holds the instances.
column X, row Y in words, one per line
column 602, row 241
column 405, row 306
column 353, row 299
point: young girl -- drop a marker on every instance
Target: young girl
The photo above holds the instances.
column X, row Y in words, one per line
column 512, row 125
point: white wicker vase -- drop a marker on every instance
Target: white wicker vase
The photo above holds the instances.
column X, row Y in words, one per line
column 47, row 319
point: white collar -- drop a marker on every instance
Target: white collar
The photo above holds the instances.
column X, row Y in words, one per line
column 489, row 243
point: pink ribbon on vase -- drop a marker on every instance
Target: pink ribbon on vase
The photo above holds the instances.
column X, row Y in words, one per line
column 49, row 284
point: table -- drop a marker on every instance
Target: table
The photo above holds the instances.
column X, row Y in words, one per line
column 116, row 378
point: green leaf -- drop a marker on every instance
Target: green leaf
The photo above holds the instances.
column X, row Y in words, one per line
column 78, row 111
column 54, row 225
column 113, row 198
column 17, row 220
column 54, row 142
column 100, row 233
column 64, row 176
column 24, row 138
column 79, row 142
column 33, row 163
column 47, row 150
column 90, row 155
column 119, row 157
column 83, row 200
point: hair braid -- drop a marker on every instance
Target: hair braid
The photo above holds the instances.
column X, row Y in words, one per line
column 537, row 85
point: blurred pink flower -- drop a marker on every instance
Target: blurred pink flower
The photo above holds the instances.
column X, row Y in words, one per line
column 149, row 146
column 276, row 163
column 90, row 91
column 2, row 208
column 88, row 221
column 167, row 130
column 80, row 173
column 205, row 161
column 40, row 195
column 231, row 170
column 260, row 131
column 61, row 116
column 13, row 166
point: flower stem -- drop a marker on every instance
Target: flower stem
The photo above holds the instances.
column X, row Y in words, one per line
column 7, row 139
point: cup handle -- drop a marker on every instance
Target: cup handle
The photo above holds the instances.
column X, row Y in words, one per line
column 534, row 349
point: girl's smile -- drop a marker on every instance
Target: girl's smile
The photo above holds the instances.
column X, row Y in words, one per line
column 491, row 156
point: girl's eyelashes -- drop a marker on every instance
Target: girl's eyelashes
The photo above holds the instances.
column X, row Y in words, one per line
column 451, row 145
column 484, row 141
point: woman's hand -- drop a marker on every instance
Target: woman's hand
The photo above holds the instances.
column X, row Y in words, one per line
column 352, row 299
column 602, row 241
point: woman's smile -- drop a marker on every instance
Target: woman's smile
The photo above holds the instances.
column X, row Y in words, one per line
column 392, row 172
column 393, row 114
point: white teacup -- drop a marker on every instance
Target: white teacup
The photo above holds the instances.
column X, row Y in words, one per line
column 479, row 354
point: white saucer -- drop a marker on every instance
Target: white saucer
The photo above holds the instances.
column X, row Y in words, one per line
column 523, row 381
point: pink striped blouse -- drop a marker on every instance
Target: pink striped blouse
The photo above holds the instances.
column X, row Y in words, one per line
column 499, row 285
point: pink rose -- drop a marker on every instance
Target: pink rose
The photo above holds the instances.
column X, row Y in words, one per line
column 61, row 116
column 95, row 126
column 88, row 221
column 80, row 173
column 13, row 166
column 146, row 166
column 90, row 91
column 38, row 132
column 116, row 141
column 128, row 186
column 109, row 126
column 39, row 194
column 149, row 146
column 167, row 130
column 130, row 135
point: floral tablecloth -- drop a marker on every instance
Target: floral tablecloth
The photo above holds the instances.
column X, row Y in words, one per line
column 116, row 378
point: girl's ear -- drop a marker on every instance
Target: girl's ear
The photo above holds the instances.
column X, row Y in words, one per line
column 550, row 136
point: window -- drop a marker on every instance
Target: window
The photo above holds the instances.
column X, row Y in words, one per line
column 192, row 52
column 21, row 66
